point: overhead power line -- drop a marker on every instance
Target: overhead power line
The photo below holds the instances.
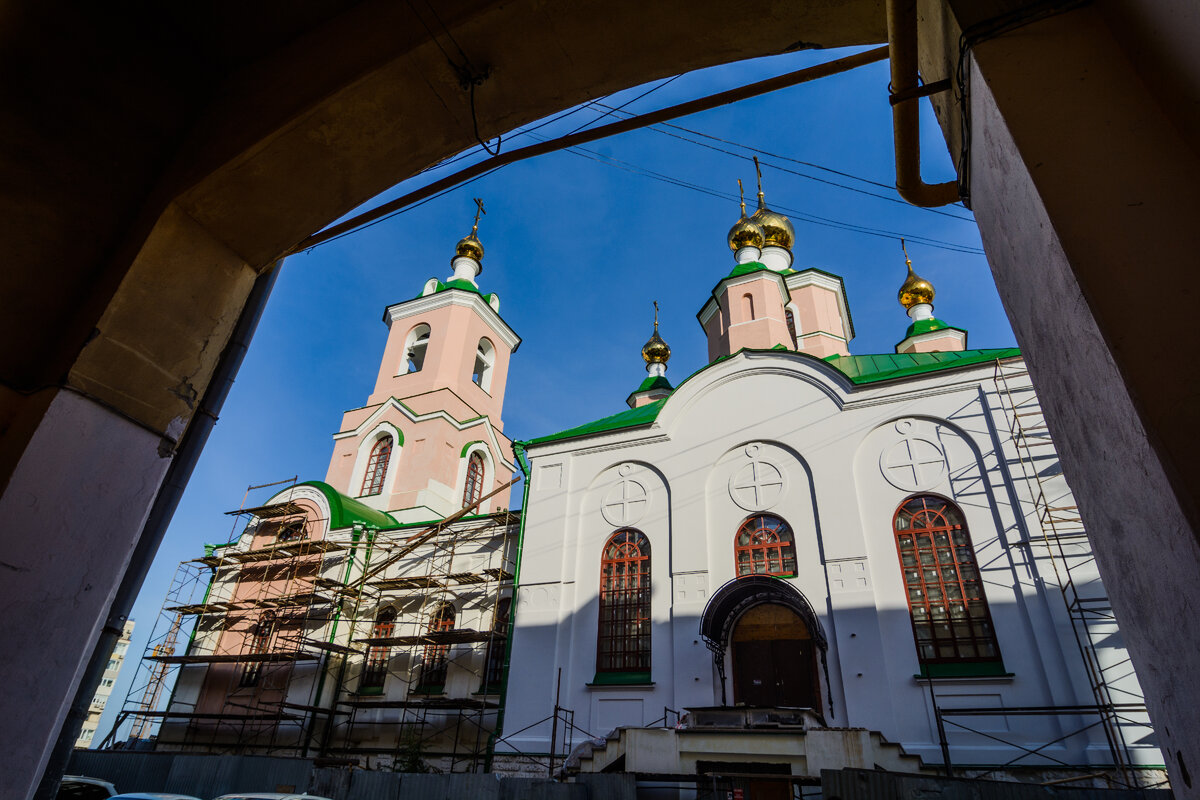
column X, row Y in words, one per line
column 583, row 137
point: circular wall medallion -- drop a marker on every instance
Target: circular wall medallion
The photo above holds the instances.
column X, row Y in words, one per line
column 625, row 469
column 756, row 486
column 913, row 464
column 625, row 503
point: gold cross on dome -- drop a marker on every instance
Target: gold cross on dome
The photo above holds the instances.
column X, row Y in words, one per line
column 656, row 316
column 478, row 211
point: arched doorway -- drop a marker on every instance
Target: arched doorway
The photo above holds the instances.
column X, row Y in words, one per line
column 772, row 636
column 774, row 659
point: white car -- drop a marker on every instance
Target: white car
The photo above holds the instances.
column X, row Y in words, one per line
column 269, row 796
column 153, row 796
column 78, row 787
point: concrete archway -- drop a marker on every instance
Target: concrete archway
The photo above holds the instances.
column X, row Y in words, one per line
column 156, row 164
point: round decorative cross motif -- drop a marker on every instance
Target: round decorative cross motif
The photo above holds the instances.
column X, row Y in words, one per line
column 756, row 486
column 625, row 503
column 912, row 464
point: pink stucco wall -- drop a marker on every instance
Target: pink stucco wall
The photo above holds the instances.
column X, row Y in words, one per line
column 817, row 312
column 750, row 315
column 941, row 344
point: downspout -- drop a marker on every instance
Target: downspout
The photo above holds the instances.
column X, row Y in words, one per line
column 167, row 500
column 906, row 109
column 355, row 535
column 523, row 463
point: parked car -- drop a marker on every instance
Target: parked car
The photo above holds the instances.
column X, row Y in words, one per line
column 269, row 796
column 153, row 796
column 79, row 787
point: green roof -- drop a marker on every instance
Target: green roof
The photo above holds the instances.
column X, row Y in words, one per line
column 748, row 267
column 929, row 326
column 871, row 369
column 643, row 415
column 465, row 285
column 654, row 382
column 859, row 369
column 346, row 511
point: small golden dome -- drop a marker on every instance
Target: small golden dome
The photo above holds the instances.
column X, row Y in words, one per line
column 745, row 233
column 469, row 246
column 777, row 229
column 656, row 351
column 915, row 289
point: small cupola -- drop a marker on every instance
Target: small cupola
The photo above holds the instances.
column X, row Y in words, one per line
column 468, row 253
column 746, row 237
column 656, row 353
column 927, row 333
column 778, row 233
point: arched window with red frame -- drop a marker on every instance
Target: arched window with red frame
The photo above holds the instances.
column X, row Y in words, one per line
column 377, row 466
column 435, row 662
column 950, row 616
column 624, row 634
column 764, row 546
column 376, row 667
column 473, row 488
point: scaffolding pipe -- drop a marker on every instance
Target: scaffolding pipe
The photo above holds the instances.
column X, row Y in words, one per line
column 906, row 110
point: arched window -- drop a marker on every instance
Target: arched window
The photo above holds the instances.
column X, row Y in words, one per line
column 764, row 546
column 485, row 356
column 473, row 488
column 624, row 636
column 377, row 465
column 791, row 323
column 376, row 668
column 260, row 640
column 415, row 347
column 435, row 663
column 748, row 305
column 494, row 666
column 950, row 617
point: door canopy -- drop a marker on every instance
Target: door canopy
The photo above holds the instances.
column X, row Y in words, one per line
column 739, row 595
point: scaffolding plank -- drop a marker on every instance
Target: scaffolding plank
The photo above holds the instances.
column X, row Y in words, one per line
column 243, row 658
column 457, row 636
column 295, row 549
column 449, row 703
column 284, row 509
column 467, row 577
column 499, row 574
column 412, row 582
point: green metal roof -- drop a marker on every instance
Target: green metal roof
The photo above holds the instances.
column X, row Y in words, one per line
column 642, row 415
column 465, row 285
column 747, row 268
column 929, row 326
column 346, row 511
column 653, row 382
column 871, row 369
column 859, row 369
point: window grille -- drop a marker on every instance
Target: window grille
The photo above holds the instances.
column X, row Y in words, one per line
column 473, row 489
column 624, row 635
column 377, row 465
column 764, row 546
column 950, row 616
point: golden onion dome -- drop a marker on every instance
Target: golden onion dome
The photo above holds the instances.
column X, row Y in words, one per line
column 745, row 233
column 469, row 246
column 915, row 290
column 777, row 229
column 656, row 351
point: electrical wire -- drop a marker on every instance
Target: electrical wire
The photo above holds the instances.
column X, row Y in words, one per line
column 792, row 212
column 891, row 199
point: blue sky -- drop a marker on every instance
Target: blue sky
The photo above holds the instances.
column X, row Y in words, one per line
column 578, row 246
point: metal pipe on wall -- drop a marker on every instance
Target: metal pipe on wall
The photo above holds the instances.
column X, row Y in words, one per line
column 906, row 110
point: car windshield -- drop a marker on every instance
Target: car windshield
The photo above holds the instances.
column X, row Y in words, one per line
column 71, row 790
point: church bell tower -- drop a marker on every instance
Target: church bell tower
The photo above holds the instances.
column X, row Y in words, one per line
column 429, row 439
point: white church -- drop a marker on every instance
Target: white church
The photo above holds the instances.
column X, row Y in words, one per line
column 798, row 558
column 793, row 559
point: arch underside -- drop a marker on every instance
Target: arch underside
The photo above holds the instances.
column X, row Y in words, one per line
column 738, row 596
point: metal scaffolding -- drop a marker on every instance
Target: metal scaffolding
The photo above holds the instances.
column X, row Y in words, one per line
column 281, row 632
column 1119, row 704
